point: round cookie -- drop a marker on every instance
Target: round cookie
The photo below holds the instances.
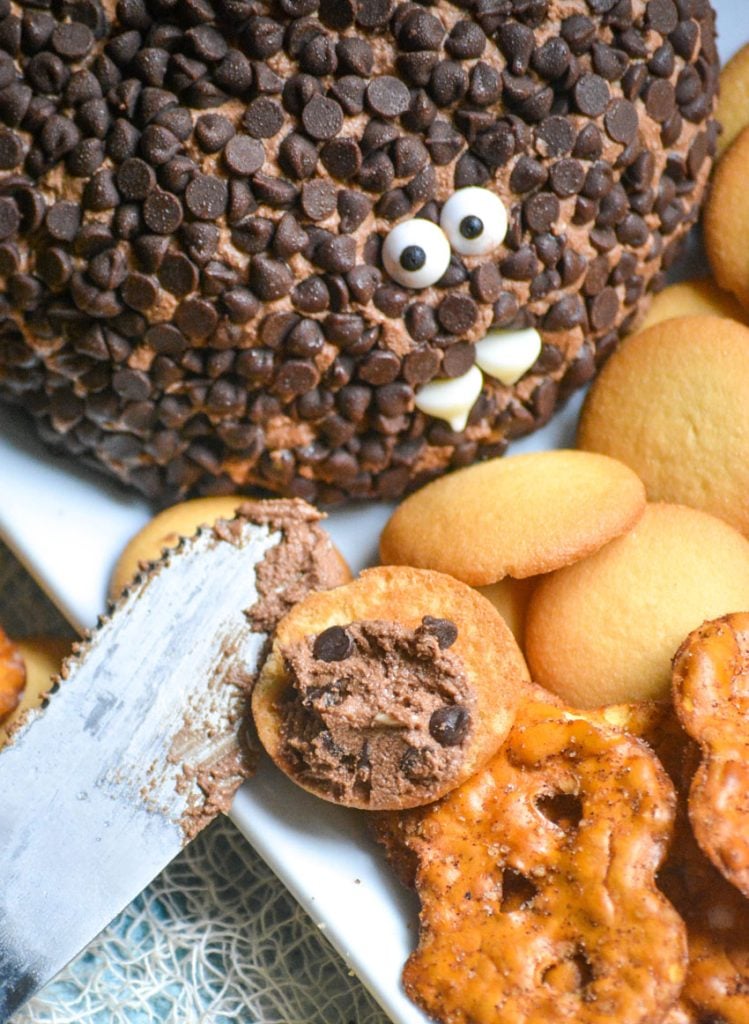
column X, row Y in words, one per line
column 510, row 597
column 333, row 248
column 604, row 631
column 389, row 691
column 733, row 102
column 673, row 403
column 518, row 516
column 726, row 221
column 693, row 298
column 167, row 528
column 42, row 657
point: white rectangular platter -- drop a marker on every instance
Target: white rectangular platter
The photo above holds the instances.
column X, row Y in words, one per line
column 68, row 527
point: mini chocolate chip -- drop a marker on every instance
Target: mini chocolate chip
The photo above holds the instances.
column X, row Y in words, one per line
column 419, row 30
column 244, row 155
column 213, row 131
column 660, row 100
column 373, row 13
column 621, row 121
column 485, row 86
column 341, row 158
column 527, row 174
column 541, row 212
column 466, row 41
column 457, row 360
column 206, row 196
column 298, row 156
column 72, row 40
column 591, row 95
column 162, row 212
column 603, row 309
column 662, row 16
column 567, row 178
column 579, row 33
column 11, row 149
column 196, row 318
column 270, row 279
column 449, row 725
column 552, row 59
column 353, row 209
column 496, row 145
column 457, row 313
column 445, row 630
column 139, row 291
column 449, row 83
column 275, row 192
column 349, row 92
column 355, row 56
column 135, row 178
column 337, row 14
column 387, row 96
column 555, row 136
column 178, row 274
column 289, row 237
column 521, row 265
column 589, row 143
column 376, row 173
column 609, row 62
column 100, row 192
column 318, row 199
column 322, row 118
column 263, row 118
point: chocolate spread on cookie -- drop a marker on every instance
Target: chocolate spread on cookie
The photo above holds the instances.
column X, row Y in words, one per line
column 304, row 561
column 377, row 712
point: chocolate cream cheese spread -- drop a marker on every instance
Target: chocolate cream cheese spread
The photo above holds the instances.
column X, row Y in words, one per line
column 304, row 561
column 377, row 711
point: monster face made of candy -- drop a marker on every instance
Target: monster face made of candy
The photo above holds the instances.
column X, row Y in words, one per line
column 333, row 247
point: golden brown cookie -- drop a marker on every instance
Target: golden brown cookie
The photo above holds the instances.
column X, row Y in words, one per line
column 605, row 630
column 390, row 691
column 168, row 526
column 726, row 221
column 701, row 297
column 41, row 657
column 673, row 403
column 733, row 102
column 518, row 516
column 536, row 880
column 510, row 597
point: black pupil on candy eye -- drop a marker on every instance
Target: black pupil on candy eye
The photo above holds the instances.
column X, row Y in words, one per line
column 471, row 226
column 413, row 257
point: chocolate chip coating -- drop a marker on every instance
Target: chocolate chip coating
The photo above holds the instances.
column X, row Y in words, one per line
column 199, row 194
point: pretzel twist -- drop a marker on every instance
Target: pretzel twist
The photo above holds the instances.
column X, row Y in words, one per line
column 711, row 697
column 537, row 882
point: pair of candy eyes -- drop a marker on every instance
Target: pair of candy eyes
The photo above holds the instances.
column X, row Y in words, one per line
column 473, row 222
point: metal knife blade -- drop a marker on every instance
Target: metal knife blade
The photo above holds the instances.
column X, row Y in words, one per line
column 101, row 789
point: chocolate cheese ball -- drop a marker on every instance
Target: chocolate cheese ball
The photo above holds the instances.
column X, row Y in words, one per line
column 332, row 248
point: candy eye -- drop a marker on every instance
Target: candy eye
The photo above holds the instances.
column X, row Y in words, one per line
column 474, row 220
column 416, row 253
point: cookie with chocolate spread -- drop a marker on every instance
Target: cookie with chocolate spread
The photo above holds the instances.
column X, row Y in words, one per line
column 390, row 691
column 333, row 247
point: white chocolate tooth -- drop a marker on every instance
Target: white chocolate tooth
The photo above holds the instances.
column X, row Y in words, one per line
column 507, row 355
column 451, row 398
